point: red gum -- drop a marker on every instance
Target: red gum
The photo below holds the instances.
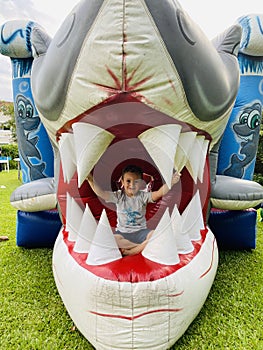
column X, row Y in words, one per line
column 137, row 268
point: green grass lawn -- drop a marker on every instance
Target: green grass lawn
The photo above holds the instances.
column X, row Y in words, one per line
column 33, row 317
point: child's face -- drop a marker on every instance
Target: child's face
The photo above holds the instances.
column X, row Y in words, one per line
column 131, row 183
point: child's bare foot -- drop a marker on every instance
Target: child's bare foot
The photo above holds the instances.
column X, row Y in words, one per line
column 3, row 238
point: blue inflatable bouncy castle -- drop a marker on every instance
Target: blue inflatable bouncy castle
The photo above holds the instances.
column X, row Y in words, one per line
column 35, row 149
column 238, row 148
column 136, row 81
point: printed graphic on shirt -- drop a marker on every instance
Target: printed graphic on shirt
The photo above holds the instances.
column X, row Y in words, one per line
column 131, row 216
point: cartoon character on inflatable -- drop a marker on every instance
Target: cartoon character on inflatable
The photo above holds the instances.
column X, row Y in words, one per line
column 237, row 150
column 36, row 199
column 135, row 82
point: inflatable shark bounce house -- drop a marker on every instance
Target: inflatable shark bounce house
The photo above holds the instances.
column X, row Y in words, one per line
column 137, row 81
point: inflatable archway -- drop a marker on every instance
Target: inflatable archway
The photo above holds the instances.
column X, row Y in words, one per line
column 135, row 81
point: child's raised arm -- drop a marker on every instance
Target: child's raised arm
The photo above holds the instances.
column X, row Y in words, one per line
column 97, row 189
column 164, row 188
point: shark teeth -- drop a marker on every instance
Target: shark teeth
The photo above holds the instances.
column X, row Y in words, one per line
column 91, row 142
column 69, row 164
column 162, row 151
column 68, row 211
column 204, row 144
column 161, row 247
column 186, row 141
column 87, row 229
column 192, row 218
column 182, row 239
column 103, row 248
column 173, row 235
column 169, row 147
column 196, row 158
column 74, row 217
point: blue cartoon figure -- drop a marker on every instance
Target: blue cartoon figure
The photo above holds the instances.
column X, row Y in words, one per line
column 131, row 216
column 27, row 125
column 35, row 149
column 238, row 149
column 247, row 130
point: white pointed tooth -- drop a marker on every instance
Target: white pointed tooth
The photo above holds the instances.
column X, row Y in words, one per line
column 161, row 247
column 68, row 211
column 192, row 218
column 203, row 153
column 74, row 221
column 185, row 145
column 183, row 241
column 90, row 143
column 104, row 248
column 161, row 143
column 68, row 160
column 194, row 157
column 86, row 232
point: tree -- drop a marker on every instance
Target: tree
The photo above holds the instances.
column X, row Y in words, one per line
column 7, row 109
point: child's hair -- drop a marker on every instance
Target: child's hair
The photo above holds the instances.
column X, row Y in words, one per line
column 132, row 169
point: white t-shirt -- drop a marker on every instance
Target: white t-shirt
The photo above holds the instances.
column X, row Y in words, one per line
column 130, row 210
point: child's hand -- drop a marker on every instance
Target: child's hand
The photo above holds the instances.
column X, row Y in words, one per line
column 176, row 178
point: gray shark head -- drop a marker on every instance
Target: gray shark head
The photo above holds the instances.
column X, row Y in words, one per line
column 209, row 74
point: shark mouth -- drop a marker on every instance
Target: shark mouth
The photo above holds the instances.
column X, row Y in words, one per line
column 102, row 141
column 148, row 300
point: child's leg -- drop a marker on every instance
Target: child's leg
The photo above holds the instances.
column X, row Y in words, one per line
column 124, row 243
column 137, row 248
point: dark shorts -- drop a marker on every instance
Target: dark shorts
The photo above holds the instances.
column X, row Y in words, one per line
column 135, row 237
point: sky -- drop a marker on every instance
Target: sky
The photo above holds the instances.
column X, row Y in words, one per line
column 212, row 17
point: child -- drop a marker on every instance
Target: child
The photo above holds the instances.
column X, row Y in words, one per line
column 131, row 232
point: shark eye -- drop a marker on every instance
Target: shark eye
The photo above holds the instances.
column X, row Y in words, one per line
column 29, row 111
column 253, row 120
column 21, row 110
column 243, row 118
